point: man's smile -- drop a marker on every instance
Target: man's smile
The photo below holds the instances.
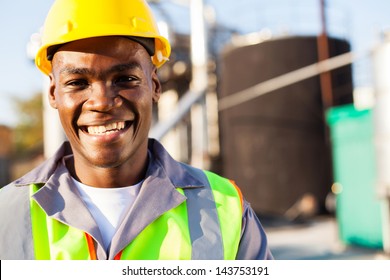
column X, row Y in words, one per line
column 106, row 129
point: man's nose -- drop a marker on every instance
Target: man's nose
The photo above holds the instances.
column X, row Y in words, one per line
column 103, row 98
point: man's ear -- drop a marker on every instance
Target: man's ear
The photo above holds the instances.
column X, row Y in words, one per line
column 156, row 86
column 52, row 97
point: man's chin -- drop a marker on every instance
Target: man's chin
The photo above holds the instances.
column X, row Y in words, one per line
column 105, row 161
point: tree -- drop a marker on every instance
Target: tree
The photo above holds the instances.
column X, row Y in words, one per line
column 28, row 134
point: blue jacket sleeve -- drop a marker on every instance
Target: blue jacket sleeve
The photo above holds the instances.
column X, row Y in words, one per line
column 253, row 244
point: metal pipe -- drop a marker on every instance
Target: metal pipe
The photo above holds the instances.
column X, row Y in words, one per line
column 286, row 80
column 184, row 105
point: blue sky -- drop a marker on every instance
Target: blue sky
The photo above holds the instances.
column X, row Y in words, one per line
column 359, row 21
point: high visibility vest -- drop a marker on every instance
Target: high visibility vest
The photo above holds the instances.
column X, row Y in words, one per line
column 177, row 234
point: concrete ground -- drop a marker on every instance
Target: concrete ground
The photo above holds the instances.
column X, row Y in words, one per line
column 316, row 239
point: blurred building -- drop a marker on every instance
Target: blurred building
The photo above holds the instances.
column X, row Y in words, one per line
column 5, row 154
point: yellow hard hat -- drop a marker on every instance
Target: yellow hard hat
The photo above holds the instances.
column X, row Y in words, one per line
column 71, row 20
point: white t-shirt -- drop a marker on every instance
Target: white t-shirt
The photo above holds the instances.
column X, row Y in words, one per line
column 108, row 206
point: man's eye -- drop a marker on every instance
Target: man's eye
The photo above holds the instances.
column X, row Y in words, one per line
column 77, row 83
column 125, row 79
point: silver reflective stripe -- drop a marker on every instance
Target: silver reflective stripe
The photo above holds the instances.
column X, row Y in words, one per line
column 205, row 230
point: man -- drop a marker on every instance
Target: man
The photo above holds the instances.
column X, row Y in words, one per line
column 110, row 192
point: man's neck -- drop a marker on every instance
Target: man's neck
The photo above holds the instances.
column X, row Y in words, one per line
column 107, row 177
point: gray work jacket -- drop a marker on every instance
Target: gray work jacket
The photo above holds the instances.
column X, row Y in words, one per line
column 60, row 200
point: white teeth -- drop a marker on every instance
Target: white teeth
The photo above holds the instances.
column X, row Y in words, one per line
column 106, row 129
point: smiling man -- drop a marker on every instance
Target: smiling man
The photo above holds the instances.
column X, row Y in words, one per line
column 104, row 89
column 110, row 192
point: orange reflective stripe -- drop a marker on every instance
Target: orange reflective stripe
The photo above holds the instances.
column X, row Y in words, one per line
column 91, row 247
column 239, row 193
column 92, row 251
column 118, row 256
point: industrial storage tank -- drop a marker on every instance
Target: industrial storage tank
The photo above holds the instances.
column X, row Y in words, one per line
column 276, row 147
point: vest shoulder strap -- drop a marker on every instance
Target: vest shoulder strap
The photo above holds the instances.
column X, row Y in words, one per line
column 215, row 217
column 203, row 222
column 229, row 203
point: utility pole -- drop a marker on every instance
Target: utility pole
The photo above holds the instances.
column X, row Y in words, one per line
column 53, row 135
column 198, row 85
column 323, row 54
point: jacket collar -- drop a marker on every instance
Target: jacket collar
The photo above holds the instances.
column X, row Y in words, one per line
column 42, row 173
column 178, row 176
column 177, row 172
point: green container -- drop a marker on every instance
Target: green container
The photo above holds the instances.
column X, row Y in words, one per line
column 358, row 210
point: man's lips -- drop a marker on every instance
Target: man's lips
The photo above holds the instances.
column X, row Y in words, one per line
column 105, row 129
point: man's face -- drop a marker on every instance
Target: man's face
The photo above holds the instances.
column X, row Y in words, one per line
column 104, row 89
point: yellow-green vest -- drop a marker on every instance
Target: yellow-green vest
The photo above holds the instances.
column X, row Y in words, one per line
column 176, row 234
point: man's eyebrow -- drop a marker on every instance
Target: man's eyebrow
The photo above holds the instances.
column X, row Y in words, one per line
column 69, row 70
column 76, row 71
column 124, row 67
